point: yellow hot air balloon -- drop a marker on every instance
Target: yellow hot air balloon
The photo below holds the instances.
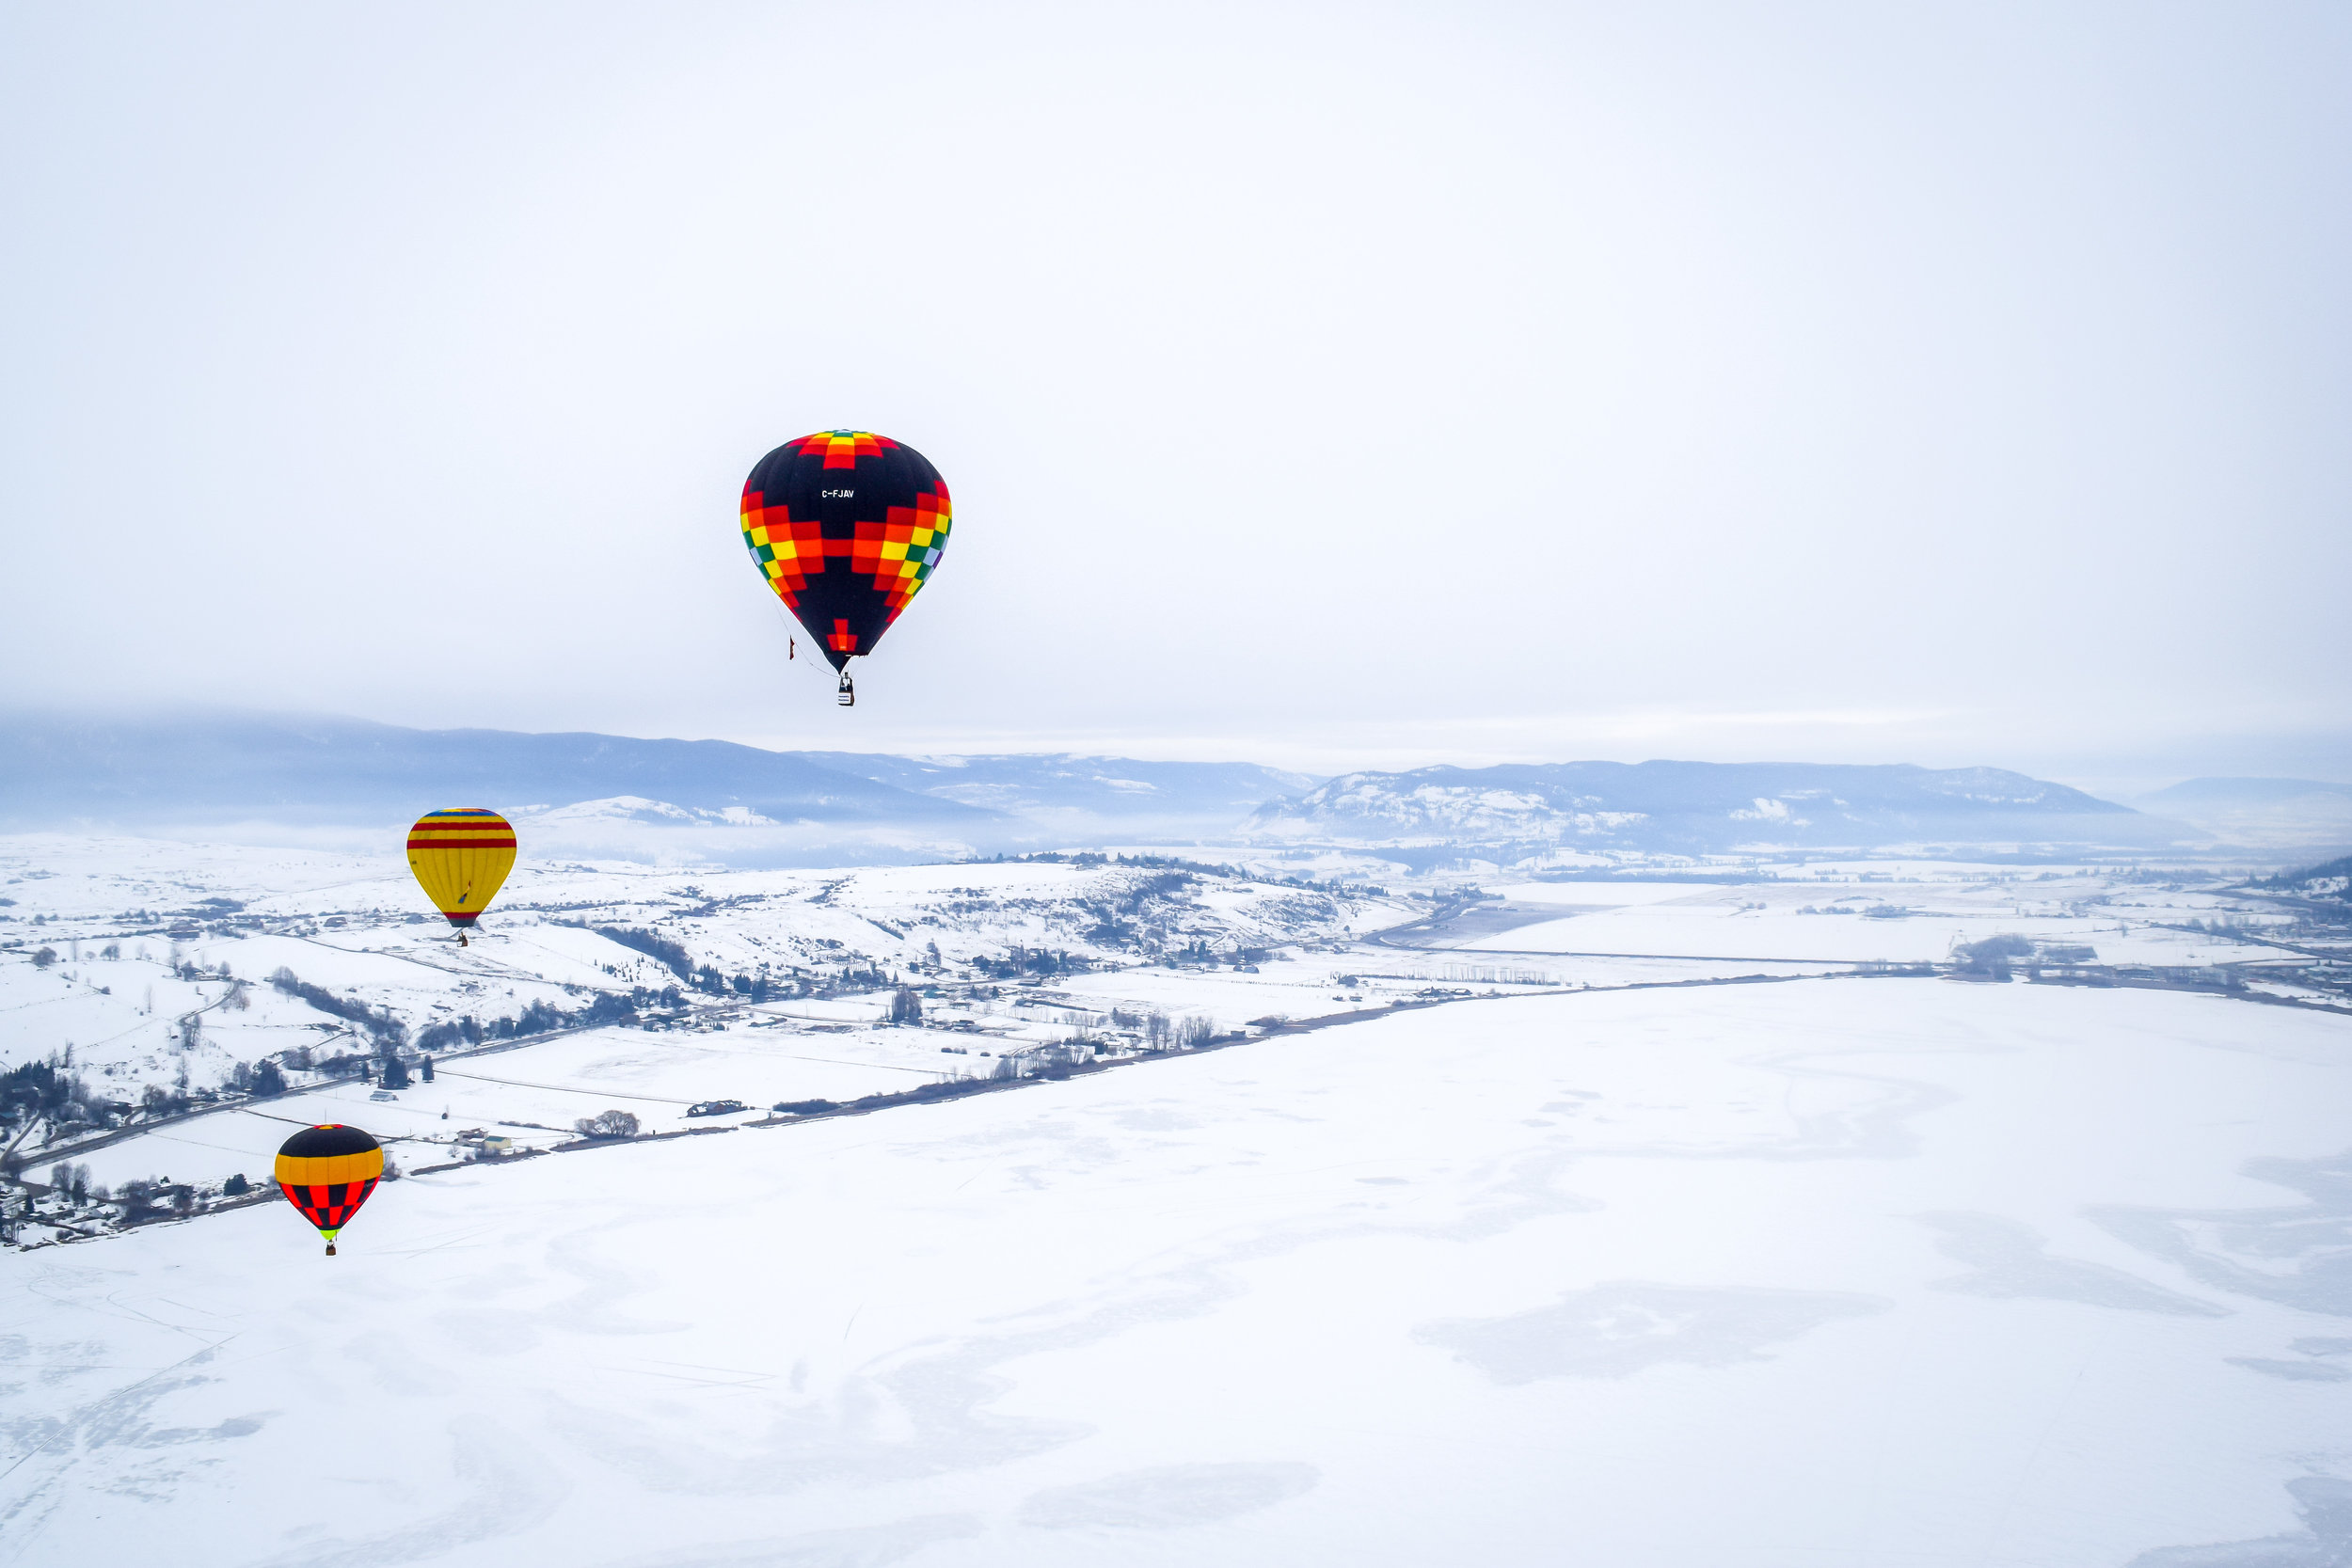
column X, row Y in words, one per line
column 460, row 859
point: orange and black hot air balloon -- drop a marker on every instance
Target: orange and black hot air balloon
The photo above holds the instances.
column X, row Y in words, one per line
column 846, row 526
column 327, row 1172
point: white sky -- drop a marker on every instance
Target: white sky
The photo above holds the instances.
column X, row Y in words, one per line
column 1334, row 385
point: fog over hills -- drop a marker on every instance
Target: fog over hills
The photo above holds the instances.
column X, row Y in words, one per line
column 596, row 791
column 217, row 767
column 1060, row 787
column 1701, row 807
column 588, row 793
column 2272, row 814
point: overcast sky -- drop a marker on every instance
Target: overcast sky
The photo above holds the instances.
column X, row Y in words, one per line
column 1332, row 386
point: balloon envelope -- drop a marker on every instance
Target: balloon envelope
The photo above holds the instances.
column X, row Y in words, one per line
column 847, row 527
column 460, row 859
column 327, row 1172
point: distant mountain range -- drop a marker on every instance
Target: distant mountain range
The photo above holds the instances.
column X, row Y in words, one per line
column 597, row 794
column 1522, row 811
column 2259, row 814
column 211, row 767
column 216, row 767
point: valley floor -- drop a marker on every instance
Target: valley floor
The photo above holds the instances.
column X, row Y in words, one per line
column 1839, row 1269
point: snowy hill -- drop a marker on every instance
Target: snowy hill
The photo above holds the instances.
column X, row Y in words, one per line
column 2330, row 881
column 141, row 963
column 1696, row 807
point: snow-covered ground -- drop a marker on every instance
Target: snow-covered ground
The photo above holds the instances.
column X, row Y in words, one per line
column 143, row 935
column 1842, row 1270
column 1919, row 919
column 1577, row 1255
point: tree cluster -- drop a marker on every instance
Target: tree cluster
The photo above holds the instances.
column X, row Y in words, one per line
column 607, row 1124
column 260, row 1080
column 1989, row 958
column 45, row 1089
column 71, row 1180
column 1019, row 960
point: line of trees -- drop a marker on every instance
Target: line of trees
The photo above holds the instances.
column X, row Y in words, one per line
column 539, row 1017
column 1019, row 960
column 660, row 949
column 383, row 1026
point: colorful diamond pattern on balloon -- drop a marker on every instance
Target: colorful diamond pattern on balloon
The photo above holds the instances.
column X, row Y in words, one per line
column 897, row 552
column 841, row 449
column 788, row 548
column 900, row 551
column 888, row 520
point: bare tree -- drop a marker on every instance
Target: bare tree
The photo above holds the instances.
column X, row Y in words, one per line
column 607, row 1124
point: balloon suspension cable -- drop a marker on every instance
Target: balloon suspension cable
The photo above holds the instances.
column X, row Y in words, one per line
column 791, row 642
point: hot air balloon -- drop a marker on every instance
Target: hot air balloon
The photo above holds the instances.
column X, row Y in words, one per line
column 327, row 1172
column 846, row 526
column 460, row 859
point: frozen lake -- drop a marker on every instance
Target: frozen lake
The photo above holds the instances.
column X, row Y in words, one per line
column 1851, row 1270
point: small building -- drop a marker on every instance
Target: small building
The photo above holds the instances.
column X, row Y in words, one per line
column 497, row 1147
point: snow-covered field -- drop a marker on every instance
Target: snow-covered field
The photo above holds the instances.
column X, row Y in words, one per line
column 1835, row 1268
column 1854, row 1271
column 1918, row 919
